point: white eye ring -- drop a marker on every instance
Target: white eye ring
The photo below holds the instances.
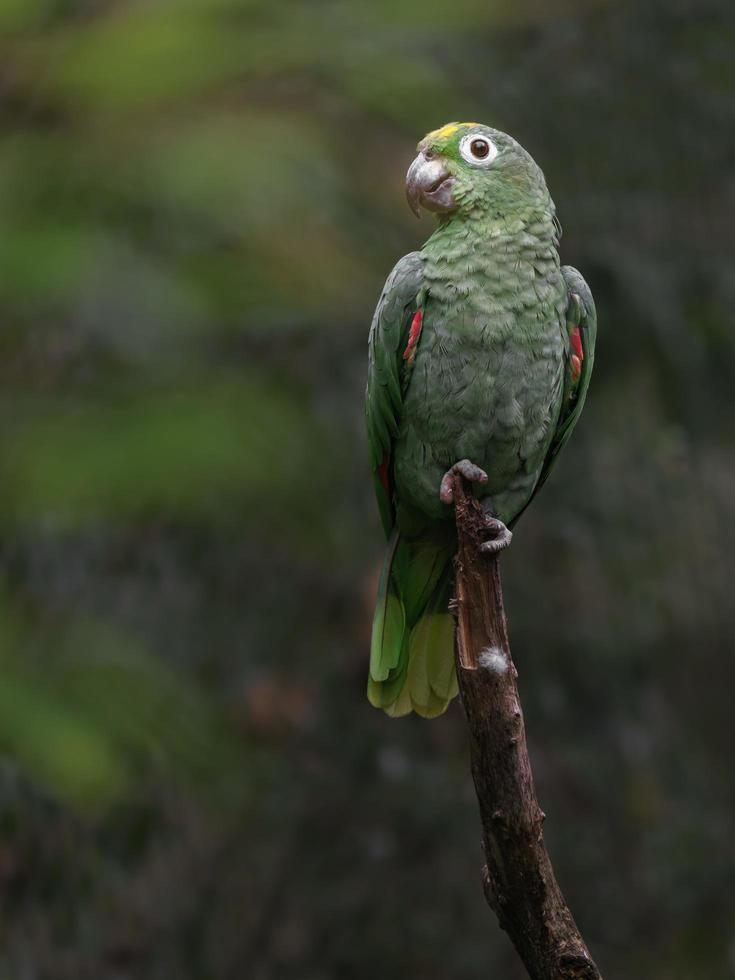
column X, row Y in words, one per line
column 465, row 148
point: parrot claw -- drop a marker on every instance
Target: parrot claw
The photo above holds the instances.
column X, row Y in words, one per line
column 466, row 469
column 500, row 537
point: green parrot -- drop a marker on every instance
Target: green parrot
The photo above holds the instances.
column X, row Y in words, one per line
column 480, row 356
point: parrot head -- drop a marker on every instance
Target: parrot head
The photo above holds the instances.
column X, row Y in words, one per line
column 467, row 168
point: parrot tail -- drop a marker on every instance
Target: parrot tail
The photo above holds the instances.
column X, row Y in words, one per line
column 412, row 649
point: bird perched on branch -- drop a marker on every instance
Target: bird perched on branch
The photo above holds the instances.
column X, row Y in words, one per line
column 480, row 356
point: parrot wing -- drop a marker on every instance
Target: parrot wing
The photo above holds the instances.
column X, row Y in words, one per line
column 581, row 322
column 411, row 652
column 391, row 344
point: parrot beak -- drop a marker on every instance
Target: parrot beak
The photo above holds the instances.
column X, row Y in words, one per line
column 429, row 185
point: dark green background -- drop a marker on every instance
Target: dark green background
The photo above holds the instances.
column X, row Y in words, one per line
column 199, row 202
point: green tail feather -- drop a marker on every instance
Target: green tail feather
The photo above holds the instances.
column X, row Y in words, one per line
column 412, row 649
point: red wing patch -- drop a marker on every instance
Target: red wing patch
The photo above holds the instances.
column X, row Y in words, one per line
column 383, row 474
column 413, row 337
column 578, row 353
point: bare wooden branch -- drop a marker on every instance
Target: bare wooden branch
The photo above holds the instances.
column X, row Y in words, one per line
column 518, row 878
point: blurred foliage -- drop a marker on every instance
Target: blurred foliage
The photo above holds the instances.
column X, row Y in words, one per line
column 199, row 202
column 91, row 714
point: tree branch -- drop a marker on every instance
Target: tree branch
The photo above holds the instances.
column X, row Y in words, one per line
column 518, row 878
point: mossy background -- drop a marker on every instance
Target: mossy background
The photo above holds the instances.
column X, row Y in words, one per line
column 199, row 202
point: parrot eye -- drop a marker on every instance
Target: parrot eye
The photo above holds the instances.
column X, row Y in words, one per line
column 478, row 149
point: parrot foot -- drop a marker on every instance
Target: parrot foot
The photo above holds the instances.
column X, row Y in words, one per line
column 500, row 537
column 466, row 469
